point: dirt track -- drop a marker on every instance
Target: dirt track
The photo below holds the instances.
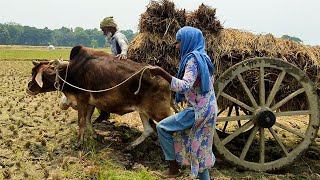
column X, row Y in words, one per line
column 37, row 140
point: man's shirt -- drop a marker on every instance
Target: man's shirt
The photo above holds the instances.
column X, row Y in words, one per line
column 119, row 44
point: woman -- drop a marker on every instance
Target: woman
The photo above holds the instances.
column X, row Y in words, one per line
column 195, row 84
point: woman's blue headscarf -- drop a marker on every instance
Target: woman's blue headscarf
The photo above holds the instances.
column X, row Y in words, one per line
column 192, row 44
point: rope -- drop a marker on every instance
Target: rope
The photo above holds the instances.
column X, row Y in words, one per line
column 108, row 89
column 65, row 78
column 56, row 83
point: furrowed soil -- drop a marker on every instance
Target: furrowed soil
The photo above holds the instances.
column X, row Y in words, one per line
column 37, row 141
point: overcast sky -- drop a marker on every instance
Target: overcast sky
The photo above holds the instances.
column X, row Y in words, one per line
column 292, row 17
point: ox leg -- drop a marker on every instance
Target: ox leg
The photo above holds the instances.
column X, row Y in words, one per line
column 147, row 131
column 82, row 126
column 90, row 110
column 83, row 114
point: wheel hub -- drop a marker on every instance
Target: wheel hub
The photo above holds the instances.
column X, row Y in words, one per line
column 265, row 118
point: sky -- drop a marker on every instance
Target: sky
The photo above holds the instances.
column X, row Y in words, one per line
column 279, row 17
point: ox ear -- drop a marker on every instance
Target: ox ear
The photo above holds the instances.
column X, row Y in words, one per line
column 39, row 78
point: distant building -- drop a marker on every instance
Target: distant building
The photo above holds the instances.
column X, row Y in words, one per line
column 51, row 47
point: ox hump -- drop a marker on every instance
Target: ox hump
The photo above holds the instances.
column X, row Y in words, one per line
column 75, row 51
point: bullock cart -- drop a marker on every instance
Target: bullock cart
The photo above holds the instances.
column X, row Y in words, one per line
column 268, row 113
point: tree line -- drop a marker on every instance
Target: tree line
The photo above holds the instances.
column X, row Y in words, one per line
column 16, row 34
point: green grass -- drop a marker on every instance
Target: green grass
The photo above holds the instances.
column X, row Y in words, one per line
column 104, row 168
column 109, row 170
column 34, row 53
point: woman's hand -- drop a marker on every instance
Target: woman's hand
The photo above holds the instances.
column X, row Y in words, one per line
column 158, row 71
column 155, row 70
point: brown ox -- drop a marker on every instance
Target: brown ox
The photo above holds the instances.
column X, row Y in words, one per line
column 97, row 70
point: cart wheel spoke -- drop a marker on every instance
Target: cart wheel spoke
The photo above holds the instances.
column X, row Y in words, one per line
column 262, row 87
column 244, row 85
column 288, row 98
column 274, row 134
column 234, row 118
column 229, row 114
column 225, row 126
column 275, row 88
column 237, row 102
column 249, row 142
column 292, row 113
column 290, row 130
column 262, row 146
column 237, row 114
column 237, row 132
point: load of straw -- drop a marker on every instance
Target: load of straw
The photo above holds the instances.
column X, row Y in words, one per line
column 162, row 18
column 158, row 26
column 226, row 47
column 233, row 46
column 205, row 19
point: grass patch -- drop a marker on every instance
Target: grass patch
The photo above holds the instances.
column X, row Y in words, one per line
column 35, row 53
column 110, row 170
column 103, row 167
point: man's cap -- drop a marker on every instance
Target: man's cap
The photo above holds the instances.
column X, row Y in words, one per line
column 108, row 22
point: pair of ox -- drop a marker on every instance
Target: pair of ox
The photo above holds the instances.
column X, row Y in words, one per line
column 97, row 70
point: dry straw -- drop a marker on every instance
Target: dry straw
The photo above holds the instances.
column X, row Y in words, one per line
column 226, row 47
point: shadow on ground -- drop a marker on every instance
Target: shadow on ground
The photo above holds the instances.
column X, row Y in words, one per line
column 149, row 155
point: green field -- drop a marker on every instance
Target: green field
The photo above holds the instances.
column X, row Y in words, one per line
column 25, row 53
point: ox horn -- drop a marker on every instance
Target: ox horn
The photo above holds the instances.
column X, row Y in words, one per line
column 35, row 63
column 59, row 63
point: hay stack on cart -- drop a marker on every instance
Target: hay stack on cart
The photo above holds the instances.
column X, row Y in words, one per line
column 226, row 47
column 264, row 85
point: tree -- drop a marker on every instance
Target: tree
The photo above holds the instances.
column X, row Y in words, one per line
column 15, row 31
column 94, row 43
column 16, row 34
column 292, row 38
column 96, row 35
column 129, row 34
column 78, row 30
column 63, row 37
column 81, row 37
column 28, row 37
column 4, row 35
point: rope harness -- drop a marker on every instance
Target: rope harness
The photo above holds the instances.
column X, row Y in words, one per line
column 57, row 84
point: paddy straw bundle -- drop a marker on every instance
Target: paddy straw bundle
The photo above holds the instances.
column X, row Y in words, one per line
column 158, row 26
column 162, row 18
column 226, row 47
column 233, row 46
column 205, row 19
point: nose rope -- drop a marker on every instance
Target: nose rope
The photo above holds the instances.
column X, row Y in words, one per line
column 103, row 90
column 56, row 83
column 65, row 78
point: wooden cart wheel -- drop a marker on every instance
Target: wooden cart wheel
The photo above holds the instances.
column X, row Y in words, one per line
column 280, row 114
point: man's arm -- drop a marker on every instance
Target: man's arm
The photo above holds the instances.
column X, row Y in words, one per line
column 123, row 43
